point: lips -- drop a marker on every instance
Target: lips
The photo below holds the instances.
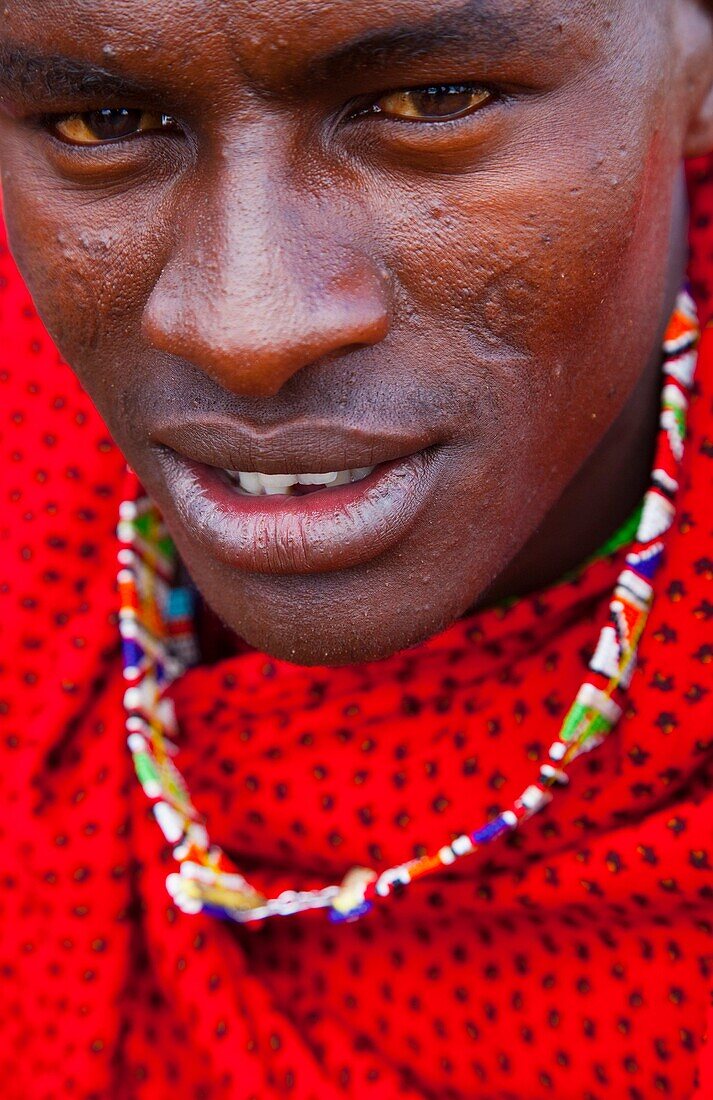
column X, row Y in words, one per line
column 313, row 446
column 341, row 526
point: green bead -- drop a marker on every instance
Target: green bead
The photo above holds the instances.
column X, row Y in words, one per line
column 145, row 768
column 576, row 716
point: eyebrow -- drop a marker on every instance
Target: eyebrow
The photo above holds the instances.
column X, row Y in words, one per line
column 57, row 77
column 479, row 23
column 483, row 25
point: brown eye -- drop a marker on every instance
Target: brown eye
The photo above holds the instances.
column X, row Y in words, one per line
column 108, row 124
column 438, row 103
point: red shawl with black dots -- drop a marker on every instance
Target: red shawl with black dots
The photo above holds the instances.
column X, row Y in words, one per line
column 567, row 962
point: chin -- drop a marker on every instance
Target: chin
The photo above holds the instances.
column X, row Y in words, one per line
column 302, row 623
column 332, row 643
column 333, row 652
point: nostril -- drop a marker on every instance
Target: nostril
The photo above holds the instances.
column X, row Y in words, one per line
column 252, row 340
column 247, row 367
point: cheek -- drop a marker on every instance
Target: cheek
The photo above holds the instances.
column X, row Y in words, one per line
column 61, row 279
column 516, row 257
column 89, row 263
column 562, row 264
column 539, row 292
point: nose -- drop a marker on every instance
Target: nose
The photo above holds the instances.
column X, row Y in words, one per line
column 257, row 287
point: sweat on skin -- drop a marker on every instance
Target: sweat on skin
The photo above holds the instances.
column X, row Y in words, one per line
column 324, row 236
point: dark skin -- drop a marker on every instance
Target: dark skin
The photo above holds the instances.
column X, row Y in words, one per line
column 289, row 246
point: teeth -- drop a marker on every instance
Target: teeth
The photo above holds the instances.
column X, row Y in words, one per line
column 281, row 484
column 273, row 484
column 317, row 479
column 249, row 482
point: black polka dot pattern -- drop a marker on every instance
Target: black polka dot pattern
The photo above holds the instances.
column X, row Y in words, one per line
column 572, row 961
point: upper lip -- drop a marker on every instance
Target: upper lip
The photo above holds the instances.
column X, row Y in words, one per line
column 305, row 446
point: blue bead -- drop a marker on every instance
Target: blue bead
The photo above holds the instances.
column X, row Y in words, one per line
column 179, row 603
column 490, row 831
column 216, row 911
column 353, row 914
column 132, row 652
column 645, row 567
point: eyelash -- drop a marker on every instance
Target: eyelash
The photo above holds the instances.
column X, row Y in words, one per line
column 52, row 122
column 361, row 109
column 371, row 109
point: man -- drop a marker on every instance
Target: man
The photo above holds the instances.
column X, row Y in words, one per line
column 372, row 299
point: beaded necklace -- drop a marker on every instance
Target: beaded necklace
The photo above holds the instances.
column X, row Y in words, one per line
column 158, row 644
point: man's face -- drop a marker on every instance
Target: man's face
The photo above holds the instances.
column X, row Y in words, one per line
column 298, row 237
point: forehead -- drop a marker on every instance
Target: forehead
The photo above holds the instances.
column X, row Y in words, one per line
column 259, row 36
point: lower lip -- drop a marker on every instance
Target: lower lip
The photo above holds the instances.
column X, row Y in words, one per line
column 336, row 528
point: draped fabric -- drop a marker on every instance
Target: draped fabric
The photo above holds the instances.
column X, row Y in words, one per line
column 571, row 961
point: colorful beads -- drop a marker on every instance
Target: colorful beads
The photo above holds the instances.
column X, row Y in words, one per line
column 158, row 644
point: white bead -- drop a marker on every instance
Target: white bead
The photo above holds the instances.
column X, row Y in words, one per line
column 683, row 368
column 446, row 854
column 191, row 906
column 198, row 835
column 387, row 878
column 125, row 531
column 136, row 742
column 141, row 697
column 533, row 799
column 136, row 724
column 606, row 655
column 174, row 884
column 462, row 845
column 169, row 822
column 195, row 871
column 554, row 773
column 631, row 583
column 657, row 515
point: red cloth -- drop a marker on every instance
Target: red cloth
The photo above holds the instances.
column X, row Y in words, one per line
column 569, row 961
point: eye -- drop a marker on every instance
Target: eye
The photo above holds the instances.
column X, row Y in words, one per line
column 436, row 103
column 107, row 125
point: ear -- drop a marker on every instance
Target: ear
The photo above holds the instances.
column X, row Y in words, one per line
column 698, row 70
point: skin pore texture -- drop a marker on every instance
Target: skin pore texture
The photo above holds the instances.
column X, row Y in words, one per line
column 278, row 271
